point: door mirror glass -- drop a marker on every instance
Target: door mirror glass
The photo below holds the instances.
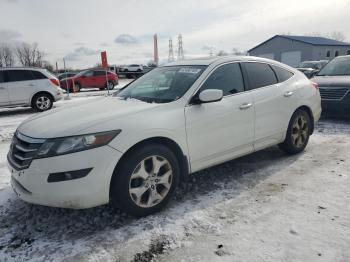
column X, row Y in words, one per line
column 210, row 95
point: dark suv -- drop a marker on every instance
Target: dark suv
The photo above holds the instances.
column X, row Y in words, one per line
column 334, row 84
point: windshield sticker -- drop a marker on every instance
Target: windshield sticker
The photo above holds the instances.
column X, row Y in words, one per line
column 189, row 70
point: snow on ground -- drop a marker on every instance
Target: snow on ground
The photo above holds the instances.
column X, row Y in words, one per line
column 263, row 207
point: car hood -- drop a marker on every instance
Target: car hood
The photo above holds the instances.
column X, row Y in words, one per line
column 74, row 119
column 332, row 81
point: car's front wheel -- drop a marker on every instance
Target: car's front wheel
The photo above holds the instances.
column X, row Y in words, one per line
column 42, row 102
column 298, row 133
column 145, row 180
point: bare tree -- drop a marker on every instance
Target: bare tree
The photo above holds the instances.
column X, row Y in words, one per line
column 339, row 36
column 221, row 53
column 6, row 55
column 236, row 51
column 30, row 55
column 335, row 35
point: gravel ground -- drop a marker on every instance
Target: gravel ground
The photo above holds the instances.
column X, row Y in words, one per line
column 263, row 207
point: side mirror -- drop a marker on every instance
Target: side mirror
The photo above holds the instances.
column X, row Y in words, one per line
column 210, row 95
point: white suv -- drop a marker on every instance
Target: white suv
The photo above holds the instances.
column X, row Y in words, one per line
column 28, row 87
column 132, row 68
column 135, row 147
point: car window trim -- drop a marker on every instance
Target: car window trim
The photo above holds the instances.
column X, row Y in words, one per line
column 260, row 62
column 293, row 74
column 189, row 103
column 19, row 69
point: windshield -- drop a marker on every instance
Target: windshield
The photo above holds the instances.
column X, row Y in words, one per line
column 337, row 67
column 163, row 84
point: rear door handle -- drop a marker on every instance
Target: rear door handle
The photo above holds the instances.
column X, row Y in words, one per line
column 288, row 94
column 31, row 84
column 245, row 106
column 1, row 87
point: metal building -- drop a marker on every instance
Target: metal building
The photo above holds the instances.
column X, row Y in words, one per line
column 292, row 50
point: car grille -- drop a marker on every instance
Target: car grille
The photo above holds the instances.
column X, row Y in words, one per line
column 333, row 93
column 22, row 150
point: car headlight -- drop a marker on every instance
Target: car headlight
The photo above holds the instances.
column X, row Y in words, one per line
column 67, row 145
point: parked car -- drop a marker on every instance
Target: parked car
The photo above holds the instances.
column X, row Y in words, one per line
column 90, row 78
column 310, row 68
column 131, row 68
column 66, row 75
column 28, row 87
column 133, row 148
column 334, row 84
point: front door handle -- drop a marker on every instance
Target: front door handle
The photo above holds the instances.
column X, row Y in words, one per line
column 288, row 94
column 245, row 106
column 31, row 84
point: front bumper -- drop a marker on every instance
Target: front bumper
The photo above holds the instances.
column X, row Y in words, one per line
column 339, row 106
column 32, row 185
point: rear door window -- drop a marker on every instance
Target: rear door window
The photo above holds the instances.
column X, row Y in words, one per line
column 38, row 75
column 20, row 75
column 259, row 75
column 282, row 74
column 227, row 78
column 2, row 76
column 99, row 73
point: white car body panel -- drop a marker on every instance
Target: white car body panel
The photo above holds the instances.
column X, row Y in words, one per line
column 207, row 134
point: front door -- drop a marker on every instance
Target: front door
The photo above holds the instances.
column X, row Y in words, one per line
column 219, row 131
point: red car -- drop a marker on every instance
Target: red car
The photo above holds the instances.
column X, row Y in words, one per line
column 90, row 78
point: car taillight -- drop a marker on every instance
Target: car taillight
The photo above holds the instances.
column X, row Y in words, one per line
column 55, row 81
column 315, row 85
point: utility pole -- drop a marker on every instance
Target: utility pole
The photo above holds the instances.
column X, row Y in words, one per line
column 67, row 87
column 155, row 49
column 180, row 51
column 171, row 51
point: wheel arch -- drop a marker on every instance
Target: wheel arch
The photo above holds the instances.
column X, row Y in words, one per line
column 165, row 141
column 41, row 92
column 311, row 115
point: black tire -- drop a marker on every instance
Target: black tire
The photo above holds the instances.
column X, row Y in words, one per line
column 297, row 138
column 77, row 87
column 42, row 102
column 110, row 85
column 122, row 180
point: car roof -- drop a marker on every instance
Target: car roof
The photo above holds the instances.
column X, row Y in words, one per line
column 211, row 60
column 22, row 68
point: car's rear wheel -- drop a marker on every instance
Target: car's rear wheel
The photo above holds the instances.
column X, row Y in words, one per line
column 42, row 102
column 77, row 87
column 110, row 85
column 298, row 133
column 146, row 180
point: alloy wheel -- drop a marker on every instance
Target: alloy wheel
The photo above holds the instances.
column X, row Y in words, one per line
column 300, row 131
column 43, row 103
column 150, row 181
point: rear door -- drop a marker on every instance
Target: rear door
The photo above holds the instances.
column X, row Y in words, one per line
column 4, row 95
column 21, row 85
column 273, row 100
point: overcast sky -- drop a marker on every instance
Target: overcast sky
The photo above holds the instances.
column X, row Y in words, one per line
column 79, row 29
